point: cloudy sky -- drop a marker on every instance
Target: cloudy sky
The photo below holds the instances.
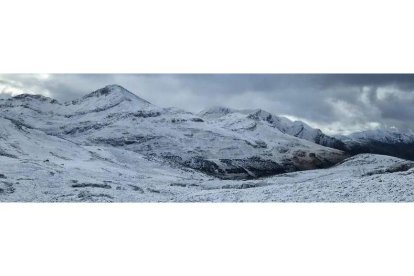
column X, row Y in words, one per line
column 337, row 104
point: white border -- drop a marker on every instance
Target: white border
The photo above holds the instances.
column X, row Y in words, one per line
column 206, row 239
column 221, row 36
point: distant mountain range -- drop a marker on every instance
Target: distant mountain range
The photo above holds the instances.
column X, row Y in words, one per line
column 379, row 141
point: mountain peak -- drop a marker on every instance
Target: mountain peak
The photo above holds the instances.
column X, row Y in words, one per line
column 112, row 89
column 111, row 94
column 109, row 97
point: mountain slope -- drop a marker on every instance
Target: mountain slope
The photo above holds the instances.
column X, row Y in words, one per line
column 116, row 175
column 115, row 117
column 297, row 129
column 362, row 178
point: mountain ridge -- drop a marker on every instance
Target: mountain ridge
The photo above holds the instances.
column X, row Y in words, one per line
column 255, row 143
column 113, row 116
column 390, row 142
column 294, row 128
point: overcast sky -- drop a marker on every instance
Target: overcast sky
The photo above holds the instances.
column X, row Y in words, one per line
column 337, row 104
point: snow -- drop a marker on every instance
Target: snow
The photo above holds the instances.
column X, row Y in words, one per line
column 119, row 176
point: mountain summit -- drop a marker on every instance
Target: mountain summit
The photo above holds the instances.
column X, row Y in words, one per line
column 107, row 98
column 114, row 90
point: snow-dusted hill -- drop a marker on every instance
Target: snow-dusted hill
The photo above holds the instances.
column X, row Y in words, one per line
column 107, row 174
column 113, row 116
column 112, row 145
column 297, row 129
column 362, row 178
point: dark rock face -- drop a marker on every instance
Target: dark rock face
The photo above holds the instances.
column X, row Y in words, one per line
column 197, row 120
column 6, row 188
column 124, row 141
column 327, row 141
column 90, row 197
column 101, row 92
column 4, row 153
column 249, row 168
column 35, row 97
column 86, row 127
column 92, row 185
column 98, row 109
column 205, row 166
column 253, row 167
column 400, row 150
column 396, row 168
column 146, row 114
column 257, row 144
column 18, row 124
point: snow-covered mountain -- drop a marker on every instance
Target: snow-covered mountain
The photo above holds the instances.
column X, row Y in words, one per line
column 381, row 141
column 113, row 116
column 297, row 129
column 390, row 136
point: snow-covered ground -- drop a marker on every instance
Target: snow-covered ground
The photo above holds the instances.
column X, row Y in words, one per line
column 363, row 178
column 104, row 177
column 113, row 146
